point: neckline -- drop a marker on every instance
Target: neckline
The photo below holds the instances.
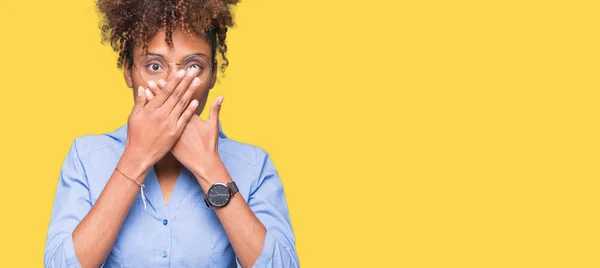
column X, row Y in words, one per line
column 154, row 193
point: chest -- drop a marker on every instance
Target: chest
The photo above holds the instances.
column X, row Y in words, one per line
column 167, row 182
column 184, row 234
column 178, row 232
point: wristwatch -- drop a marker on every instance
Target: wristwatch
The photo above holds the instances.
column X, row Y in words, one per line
column 219, row 194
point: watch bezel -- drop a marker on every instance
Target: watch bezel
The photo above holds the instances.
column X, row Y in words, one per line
column 208, row 199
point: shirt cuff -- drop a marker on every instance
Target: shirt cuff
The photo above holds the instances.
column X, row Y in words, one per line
column 69, row 251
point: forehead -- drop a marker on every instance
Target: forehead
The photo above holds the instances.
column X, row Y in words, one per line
column 182, row 46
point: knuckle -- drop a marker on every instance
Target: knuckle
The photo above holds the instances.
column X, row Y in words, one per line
column 177, row 93
column 158, row 119
column 182, row 102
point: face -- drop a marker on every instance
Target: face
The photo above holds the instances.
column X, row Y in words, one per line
column 184, row 50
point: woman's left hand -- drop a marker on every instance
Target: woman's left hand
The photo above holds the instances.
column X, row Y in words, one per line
column 197, row 147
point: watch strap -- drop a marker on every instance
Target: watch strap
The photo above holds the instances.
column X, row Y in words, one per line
column 233, row 189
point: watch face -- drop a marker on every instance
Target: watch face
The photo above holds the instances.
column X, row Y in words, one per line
column 218, row 195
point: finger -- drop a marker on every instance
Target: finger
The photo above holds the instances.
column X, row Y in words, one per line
column 182, row 87
column 153, row 88
column 149, row 95
column 187, row 115
column 162, row 83
column 148, row 92
column 140, row 99
column 186, row 98
column 215, row 110
column 165, row 93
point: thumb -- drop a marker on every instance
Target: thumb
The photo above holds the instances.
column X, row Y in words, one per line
column 215, row 110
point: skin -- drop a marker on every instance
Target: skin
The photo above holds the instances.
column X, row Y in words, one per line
column 164, row 131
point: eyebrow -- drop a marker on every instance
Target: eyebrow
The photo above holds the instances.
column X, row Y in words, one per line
column 185, row 58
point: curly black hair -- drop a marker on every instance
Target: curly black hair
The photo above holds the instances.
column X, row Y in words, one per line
column 125, row 23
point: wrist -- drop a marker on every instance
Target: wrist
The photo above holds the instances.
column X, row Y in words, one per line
column 134, row 164
column 211, row 172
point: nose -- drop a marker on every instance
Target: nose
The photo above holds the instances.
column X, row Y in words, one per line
column 174, row 67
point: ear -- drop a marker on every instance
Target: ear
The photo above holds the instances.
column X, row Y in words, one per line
column 127, row 74
column 213, row 80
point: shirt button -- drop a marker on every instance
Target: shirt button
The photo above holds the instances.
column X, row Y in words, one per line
column 164, row 254
column 165, row 222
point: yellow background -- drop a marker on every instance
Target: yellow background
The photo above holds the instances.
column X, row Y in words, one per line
column 407, row 133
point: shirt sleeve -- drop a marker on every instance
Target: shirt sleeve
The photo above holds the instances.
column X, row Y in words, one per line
column 71, row 203
column 267, row 201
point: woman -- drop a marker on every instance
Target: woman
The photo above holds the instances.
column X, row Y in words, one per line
column 169, row 189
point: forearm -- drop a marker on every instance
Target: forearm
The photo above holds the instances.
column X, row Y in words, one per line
column 95, row 235
column 245, row 232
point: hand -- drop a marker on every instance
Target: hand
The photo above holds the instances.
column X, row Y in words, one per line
column 154, row 127
column 197, row 147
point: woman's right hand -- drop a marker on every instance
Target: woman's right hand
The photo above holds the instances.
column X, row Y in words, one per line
column 154, row 127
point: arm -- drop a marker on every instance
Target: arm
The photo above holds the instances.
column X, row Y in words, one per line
column 71, row 203
column 82, row 235
column 71, row 223
column 95, row 235
column 260, row 231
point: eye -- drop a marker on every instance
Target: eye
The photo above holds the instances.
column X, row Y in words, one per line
column 154, row 67
column 197, row 66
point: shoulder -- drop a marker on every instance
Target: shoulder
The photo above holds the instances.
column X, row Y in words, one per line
column 250, row 154
column 249, row 166
column 111, row 141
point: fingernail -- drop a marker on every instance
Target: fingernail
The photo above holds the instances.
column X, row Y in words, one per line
column 162, row 82
column 151, row 84
column 194, row 103
column 180, row 73
column 140, row 90
column 149, row 94
column 193, row 71
column 196, row 81
column 221, row 100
